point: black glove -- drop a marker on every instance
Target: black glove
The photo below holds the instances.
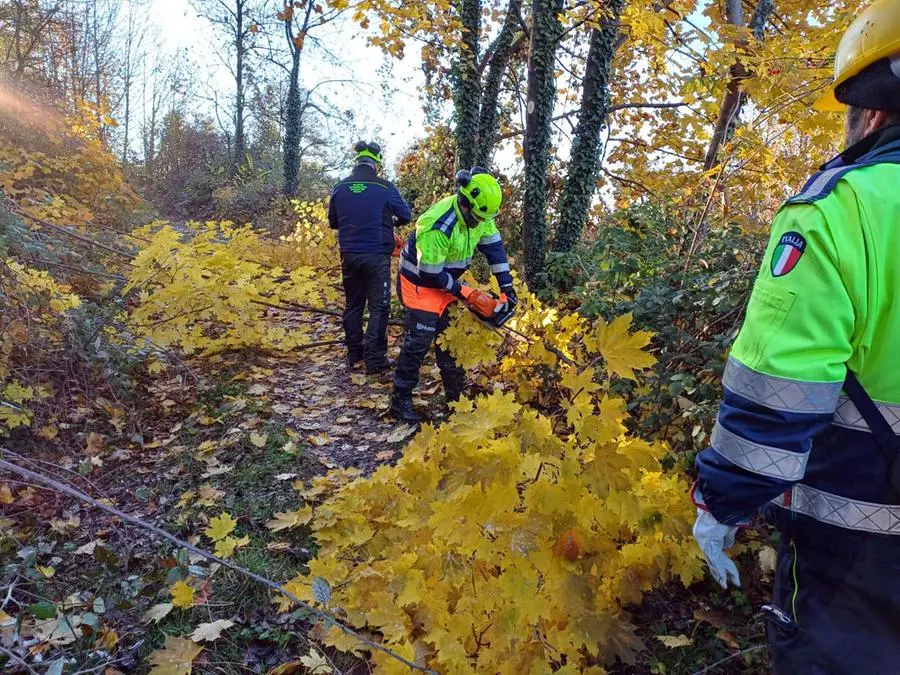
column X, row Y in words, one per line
column 511, row 298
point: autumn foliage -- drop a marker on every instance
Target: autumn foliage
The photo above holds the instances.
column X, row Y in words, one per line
column 510, row 538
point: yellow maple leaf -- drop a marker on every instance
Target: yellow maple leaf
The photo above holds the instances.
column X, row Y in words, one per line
column 220, row 526
column 259, row 440
column 284, row 521
column 182, row 595
column 175, row 658
column 225, row 547
column 622, row 351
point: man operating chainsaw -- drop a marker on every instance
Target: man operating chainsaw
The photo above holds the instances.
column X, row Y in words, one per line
column 435, row 255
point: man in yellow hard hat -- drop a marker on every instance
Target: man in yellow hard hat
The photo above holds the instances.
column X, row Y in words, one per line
column 807, row 430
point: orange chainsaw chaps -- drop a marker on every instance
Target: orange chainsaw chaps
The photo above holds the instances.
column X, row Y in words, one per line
column 423, row 298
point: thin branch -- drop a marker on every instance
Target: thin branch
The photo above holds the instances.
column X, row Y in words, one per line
column 81, row 496
column 729, row 658
column 15, row 659
column 313, row 310
column 77, row 237
column 628, row 106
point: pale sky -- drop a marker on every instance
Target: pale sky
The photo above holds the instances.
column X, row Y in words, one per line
column 394, row 117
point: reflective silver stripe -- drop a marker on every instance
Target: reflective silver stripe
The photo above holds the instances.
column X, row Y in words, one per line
column 408, row 266
column 848, row 416
column 819, row 183
column 490, row 239
column 850, row 514
column 431, row 269
column 500, row 267
column 458, row 264
column 761, row 459
column 779, row 393
column 449, row 284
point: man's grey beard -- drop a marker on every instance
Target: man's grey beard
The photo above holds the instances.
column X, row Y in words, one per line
column 854, row 135
column 856, row 126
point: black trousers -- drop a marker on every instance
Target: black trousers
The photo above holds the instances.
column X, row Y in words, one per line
column 843, row 594
column 367, row 281
column 423, row 328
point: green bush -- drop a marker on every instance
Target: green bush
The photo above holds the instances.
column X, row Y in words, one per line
column 694, row 306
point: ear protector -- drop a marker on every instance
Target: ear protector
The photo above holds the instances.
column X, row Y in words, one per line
column 463, row 178
column 370, row 150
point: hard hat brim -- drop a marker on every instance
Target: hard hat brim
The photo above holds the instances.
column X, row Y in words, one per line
column 827, row 102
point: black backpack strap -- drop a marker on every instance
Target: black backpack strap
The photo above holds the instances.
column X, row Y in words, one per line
column 888, row 442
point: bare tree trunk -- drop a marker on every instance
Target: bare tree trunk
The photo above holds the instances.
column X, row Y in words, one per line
column 500, row 53
column 240, row 149
column 729, row 112
column 584, row 161
column 545, row 34
column 467, row 84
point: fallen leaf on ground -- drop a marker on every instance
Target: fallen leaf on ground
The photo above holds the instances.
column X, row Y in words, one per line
column 216, row 469
column 175, row 658
column 157, row 613
column 208, row 495
column 315, row 663
column 400, row 433
column 319, row 439
column 675, row 641
column 88, row 548
column 225, row 547
column 284, row 521
column 6, row 496
column 207, row 632
column 767, row 559
column 285, row 476
column 220, row 527
column 384, row 455
column 182, row 595
column 259, row 440
column 94, row 443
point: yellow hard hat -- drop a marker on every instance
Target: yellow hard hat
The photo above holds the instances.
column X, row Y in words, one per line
column 874, row 35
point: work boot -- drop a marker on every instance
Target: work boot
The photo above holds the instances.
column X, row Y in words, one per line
column 380, row 367
column 354, row 360
column 454, row 384
column 402, row 408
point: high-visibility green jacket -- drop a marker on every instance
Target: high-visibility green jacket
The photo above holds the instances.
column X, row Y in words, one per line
column 826, row 300
column 440, row 249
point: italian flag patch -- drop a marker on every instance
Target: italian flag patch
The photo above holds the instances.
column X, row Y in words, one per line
column 787, row 254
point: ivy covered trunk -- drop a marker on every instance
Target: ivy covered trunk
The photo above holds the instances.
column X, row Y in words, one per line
column 501, row 52
column 292, row 129
column 545, row 34
column 467, row 83
column 584, row 161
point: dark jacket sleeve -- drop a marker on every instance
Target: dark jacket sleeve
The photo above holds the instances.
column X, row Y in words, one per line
column 332, row 211
column 399, row 207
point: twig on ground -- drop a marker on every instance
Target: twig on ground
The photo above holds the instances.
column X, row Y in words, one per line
column 15, row 659
column 729, row 658
column 314, row 310
column 81, row 496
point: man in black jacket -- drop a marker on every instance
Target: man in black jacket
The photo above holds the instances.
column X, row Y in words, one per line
column 364, row 209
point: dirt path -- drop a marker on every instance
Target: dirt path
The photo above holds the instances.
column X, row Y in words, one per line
column 339, row 412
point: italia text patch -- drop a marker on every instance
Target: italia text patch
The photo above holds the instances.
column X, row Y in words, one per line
column 787, row 254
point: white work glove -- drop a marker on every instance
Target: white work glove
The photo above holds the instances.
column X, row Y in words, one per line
column 714, row 538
